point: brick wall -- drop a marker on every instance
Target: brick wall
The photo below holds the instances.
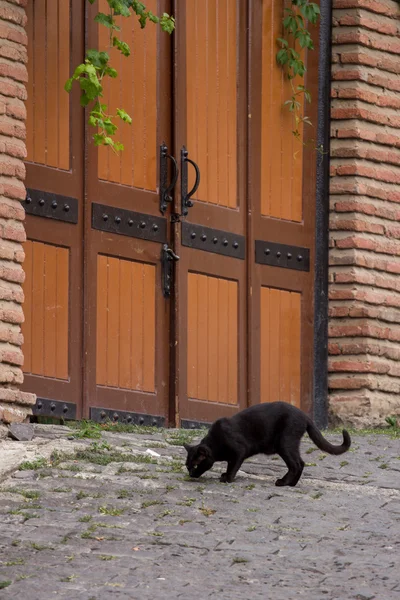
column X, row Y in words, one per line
column 14, row 405
column 364, row 307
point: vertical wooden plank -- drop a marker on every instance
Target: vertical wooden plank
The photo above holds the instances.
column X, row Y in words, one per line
column 139, row 109
column 287, row 153
column 51, row 98
column 202, row 337
column 202, row 91
column 212, row 334
column 266, row 109
column 125, row 337
column 38, row 306
column 223, row 101
column 192, row 359
column 274, row 342
column 39, row 50
column 297, row 170
column 265, row 360
column 192, row 83
column 101, row 322
column 64, row 27
column 62, row 347
column 223, row 329
column 137, row 327
column 27, row 306
column 114, row 102
column 113, row 322
column 212, row 123
column 50, row 301
column 285, row 348
column 127, row 68
column 295, row 397
column 30, row 84
column 233, row 342
column 275, row 126
column 149, row 327
column 232, row 105
column 103, row 152
column 150, row 102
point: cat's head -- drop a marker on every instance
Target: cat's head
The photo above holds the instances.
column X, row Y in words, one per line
column 199, row 459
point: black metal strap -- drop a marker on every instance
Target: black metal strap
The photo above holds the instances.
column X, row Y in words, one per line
column 54, row 408
column 213, row 240
column 101, row 415
column 282, row 255
column 127, row 222
column 51, row 206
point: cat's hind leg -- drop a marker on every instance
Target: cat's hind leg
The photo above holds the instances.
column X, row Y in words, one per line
column 291, row 455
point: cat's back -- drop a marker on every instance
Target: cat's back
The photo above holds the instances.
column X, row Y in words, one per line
column 266, row 410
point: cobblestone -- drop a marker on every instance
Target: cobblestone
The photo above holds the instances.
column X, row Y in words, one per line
column 101, row 519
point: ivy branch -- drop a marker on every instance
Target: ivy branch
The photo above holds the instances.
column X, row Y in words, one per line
column 296, row 39
column 91, row 73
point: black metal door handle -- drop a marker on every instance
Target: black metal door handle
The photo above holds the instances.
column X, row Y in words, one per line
column 186, row 202
column 165, row 189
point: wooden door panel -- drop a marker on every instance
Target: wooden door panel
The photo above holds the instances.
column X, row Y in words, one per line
column 281, row 153
column 45, row 329
column 135, row 90
column 127, row 316
column 54, row 205
column 212, row 331
column 280, row 333
column 127, row 369
column 211, row 80
column 210, row 300
column 48, row 129
column 282, row 222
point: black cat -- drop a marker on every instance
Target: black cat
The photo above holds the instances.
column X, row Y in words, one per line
column 274, row 428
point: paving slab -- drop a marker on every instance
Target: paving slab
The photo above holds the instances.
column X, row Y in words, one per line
column 105, row 518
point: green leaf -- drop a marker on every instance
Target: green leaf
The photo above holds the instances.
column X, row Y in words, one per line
column 118, row 146
column 122, row 46
column 120, row 7
column 282, row 41
column 98, row 139
column 68, row 85
column 107, row 21
column 111, row 72
column 97, row 59
column 282, row 57
column 124, row 115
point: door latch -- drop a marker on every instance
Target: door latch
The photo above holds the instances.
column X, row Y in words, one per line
column 168, row 257
column 185, row 195
column 165, row 189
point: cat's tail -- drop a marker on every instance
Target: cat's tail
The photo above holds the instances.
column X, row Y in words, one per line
column 326, row 446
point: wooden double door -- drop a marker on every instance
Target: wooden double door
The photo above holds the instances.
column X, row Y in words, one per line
column 173, row 283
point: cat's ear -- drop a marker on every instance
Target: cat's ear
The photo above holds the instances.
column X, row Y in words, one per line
column 187, row 447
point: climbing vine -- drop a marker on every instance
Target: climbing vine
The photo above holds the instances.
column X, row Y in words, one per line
column 90, row 74
column 297, row 38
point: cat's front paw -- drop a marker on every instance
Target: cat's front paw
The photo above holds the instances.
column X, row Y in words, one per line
column 280, row 482
column 224, row 478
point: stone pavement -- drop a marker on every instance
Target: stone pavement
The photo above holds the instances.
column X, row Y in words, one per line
column 98, row 519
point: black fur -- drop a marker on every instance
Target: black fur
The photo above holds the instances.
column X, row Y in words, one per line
column 274, row 428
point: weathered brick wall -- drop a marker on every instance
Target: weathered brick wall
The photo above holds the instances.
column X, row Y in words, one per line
column 14, row 405
column 364, row 309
